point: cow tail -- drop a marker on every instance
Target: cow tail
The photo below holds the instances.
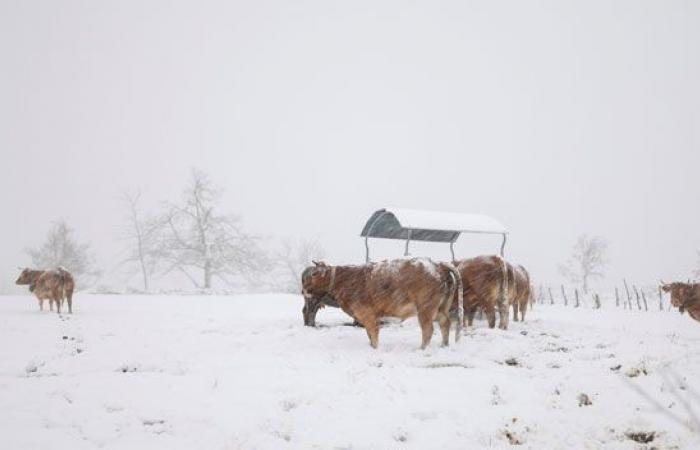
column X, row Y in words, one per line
column 62, row 275
column 458, row 285
column 503, row 304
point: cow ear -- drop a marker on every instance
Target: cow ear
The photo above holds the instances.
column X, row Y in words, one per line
column 316, row 263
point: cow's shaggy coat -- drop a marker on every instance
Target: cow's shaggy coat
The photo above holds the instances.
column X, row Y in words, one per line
column 400, row 288
column 485, row 286
column 52, row 285
column 685, row 297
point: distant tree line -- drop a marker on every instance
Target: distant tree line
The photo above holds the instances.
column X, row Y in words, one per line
column 192, row 236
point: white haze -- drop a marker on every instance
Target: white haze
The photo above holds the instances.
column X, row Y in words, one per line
column 557, row 117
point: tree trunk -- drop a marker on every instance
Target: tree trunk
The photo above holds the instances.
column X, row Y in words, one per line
column 207, row 275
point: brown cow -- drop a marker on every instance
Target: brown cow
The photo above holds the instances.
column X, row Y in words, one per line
column 52, row 285
column 401, row 288
column 485, row 287
column 685, row 296
column 519, row 290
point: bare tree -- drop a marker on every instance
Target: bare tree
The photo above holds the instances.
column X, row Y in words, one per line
column 60, row 249
column 294, row 257
column 203, row 244
column 587, row 261
column 142, row 235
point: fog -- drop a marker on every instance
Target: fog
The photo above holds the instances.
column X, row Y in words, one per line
column 558, row 118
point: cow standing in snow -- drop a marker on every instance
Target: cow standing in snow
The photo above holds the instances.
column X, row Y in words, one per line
column 519, row 290
column 485, row 286
column 685, row 296
column 52, row 285
column 401, row 288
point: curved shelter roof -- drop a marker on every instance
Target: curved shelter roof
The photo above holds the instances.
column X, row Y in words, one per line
column 431, row 226
column 395, row 223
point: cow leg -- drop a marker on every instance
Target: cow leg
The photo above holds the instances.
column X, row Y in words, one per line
column 51, row 305
column 41, row 304
column 503, row 316
column 490, row 315
column 470, row 315
column 444, row 322
column 425, row 318
column 515, row 311
column 58, row 304
column 69, row 299
column 371, row 323
column 523, row 309
column 372, row 329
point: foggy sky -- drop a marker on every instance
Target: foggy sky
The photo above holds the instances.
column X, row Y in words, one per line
column 558, row 118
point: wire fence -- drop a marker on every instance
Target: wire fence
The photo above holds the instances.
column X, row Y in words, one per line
column 628, row 296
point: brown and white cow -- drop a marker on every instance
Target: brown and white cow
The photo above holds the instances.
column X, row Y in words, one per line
column 519, row 290
column 52, row 285
column 485, row 286
column 400, row 288
column 685, row 296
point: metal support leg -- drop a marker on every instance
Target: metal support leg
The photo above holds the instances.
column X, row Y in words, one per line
column 408, row 241
column 503, row 246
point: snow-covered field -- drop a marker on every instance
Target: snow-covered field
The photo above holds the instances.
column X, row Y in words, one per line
column 243, row 373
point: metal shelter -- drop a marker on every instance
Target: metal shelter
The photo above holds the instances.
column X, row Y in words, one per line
column 431, row 226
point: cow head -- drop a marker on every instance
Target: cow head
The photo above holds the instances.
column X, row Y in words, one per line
column 315, row 281
column 27, row 276
column 680, row 293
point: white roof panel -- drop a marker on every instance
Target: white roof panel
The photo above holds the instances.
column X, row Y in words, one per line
column 435, row 220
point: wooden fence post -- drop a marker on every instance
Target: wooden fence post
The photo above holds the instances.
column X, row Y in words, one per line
column 627, row 291
column 563, row 294
column 636, row 295
column 577, row 303
column 596, row 298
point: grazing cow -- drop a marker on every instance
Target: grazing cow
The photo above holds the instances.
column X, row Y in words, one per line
column 685, row 296
column 400, row 288
column 519, row 290
column 52, row 285
column 485, row 286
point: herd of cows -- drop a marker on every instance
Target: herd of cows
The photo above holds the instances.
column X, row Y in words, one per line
column 432, row 291
column 402, row 288
column 435, row 291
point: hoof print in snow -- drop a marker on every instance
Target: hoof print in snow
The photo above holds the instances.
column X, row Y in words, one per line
column 512, row 362
column 633, row 372
column 126, row 369
column 65, row 338
column 584, row 400
column 513, row 437
column 496, row 398
column 524, row 332
column 32, row 367
column 156, row 426
column 288, row 405
column 616, row 368
column 642, row 437
column 400, row 436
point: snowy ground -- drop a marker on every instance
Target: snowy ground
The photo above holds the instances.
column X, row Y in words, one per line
column 243, row 373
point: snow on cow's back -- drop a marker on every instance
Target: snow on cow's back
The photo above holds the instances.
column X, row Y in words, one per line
column 393, row 267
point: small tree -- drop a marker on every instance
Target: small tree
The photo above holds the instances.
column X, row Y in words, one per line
column 60, row 249
column 203, row 244
column 587, row 261
column 141, row 234
column 294, row 257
